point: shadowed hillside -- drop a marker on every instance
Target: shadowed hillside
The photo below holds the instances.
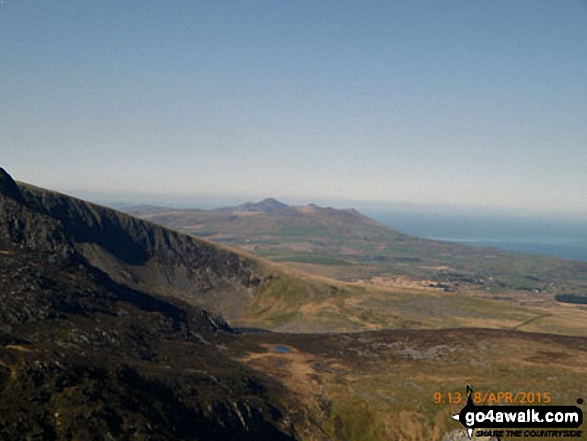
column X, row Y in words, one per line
column 146, row 256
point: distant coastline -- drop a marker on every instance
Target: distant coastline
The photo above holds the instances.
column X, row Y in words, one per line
column 556, row 237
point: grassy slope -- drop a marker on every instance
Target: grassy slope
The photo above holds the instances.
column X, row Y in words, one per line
column 382, row 385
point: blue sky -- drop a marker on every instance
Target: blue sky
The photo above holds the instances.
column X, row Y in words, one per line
column 480, row 103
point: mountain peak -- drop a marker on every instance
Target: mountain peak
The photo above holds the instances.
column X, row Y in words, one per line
column 8, row 187
column 267, row 205
column 271, row 203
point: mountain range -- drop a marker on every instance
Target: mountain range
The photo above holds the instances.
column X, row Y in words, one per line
column 372, row 263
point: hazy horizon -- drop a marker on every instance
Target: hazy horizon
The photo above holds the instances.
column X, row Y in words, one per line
column 459, row 103
column 213, row 201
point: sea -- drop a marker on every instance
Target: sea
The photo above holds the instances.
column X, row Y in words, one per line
column 553, row 235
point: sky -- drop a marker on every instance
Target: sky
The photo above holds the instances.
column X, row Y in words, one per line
column 457, row 103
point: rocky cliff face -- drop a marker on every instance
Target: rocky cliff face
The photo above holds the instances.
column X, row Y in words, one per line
column 85, row 357
column 140, row 254
column 21, row 226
